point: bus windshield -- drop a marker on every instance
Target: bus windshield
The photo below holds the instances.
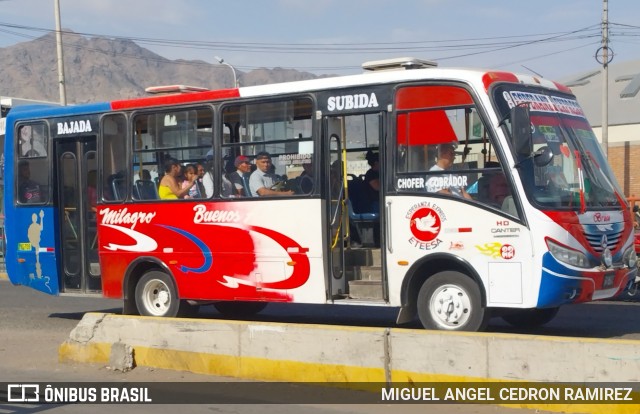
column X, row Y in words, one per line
column 575, row 175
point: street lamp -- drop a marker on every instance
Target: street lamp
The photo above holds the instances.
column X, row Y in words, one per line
column 235, row 78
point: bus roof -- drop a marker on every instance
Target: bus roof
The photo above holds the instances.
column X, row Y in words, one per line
column 480, row 78
column 477, row 77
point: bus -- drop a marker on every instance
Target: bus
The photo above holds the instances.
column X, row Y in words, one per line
column 453, row 195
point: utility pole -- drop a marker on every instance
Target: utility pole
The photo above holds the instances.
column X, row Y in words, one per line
column 607, row 56
column 63, row 93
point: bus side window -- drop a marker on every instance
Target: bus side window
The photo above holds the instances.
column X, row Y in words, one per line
column 114, row 147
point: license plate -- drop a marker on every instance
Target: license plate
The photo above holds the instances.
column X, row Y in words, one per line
column 608, row 280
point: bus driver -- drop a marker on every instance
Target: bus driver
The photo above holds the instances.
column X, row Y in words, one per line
column 447, row 184
column 262, row 179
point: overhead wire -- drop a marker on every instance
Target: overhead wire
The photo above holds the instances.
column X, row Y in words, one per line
column 464, row 47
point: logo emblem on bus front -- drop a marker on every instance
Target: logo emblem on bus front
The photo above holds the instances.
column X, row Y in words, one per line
column 604, row 243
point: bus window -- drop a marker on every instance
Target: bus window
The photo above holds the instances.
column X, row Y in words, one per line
column 181, row 135
column 33, row 168
column 442, row 146
column 114, row 157
column 281, row 129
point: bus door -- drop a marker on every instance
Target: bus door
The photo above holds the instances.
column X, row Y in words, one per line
column 76, row 169
column 356, row 234
column 337, row 221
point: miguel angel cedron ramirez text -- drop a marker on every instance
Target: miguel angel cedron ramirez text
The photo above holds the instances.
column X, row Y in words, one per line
column 508, row 394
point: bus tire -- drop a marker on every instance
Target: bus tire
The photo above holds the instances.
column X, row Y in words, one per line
column 156, row 295
column 531, row 318
column 451, row 301
column 239, row 309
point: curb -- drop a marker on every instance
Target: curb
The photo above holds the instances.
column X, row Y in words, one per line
column 336, row 354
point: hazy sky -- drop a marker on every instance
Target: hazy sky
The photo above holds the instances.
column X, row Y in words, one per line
column 556, row 38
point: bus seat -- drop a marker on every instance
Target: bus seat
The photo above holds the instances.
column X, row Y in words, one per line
column 147, row 190
column 119, row 188
column 509, row 206
column 483, row 189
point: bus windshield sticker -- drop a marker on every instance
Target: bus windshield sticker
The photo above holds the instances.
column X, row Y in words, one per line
column 544, row 103
column 549, row 133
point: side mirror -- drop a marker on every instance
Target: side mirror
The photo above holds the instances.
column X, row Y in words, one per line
column 521, row 130
column 542, row 156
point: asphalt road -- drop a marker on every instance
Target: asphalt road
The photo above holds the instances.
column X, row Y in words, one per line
column 33, row 325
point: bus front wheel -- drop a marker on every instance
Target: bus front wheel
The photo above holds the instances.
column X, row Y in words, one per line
column 451, row 301
column 156, row 295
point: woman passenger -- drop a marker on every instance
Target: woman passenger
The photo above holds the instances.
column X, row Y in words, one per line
column 169, row 188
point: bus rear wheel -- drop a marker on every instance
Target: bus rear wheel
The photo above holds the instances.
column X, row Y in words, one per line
column 156, row 295
column 451, row 301
column 531, row 318
column 239, row 309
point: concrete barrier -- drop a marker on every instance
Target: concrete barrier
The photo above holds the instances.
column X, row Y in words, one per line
column 320, row 353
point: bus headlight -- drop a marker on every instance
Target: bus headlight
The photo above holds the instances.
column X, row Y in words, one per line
column 630, row 258
column 567, row 255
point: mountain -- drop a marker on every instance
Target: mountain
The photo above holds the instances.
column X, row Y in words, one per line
column 103, row 69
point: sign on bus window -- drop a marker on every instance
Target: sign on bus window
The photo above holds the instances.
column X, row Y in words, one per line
column 32, row 141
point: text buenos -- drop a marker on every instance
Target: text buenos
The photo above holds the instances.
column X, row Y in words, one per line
column 202, row 215
column 358, row 101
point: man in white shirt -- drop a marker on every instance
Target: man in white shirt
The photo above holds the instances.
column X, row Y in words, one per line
column 262, row 180
column 447, row 184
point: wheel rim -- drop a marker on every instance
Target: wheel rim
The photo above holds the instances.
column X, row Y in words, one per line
column 156, row 297
column 450, row 306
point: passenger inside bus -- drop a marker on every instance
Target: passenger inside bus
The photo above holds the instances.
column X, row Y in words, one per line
column 28, row 190
column 498, row 189
column 305, row 180
column 207, row 178
column 262, row 180
column 199, row 183
column 190, row 181
column 240, row 177
column 371, row 191
column 169, row 189
column 440, row 184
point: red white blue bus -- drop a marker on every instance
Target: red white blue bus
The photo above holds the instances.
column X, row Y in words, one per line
column 453, row 195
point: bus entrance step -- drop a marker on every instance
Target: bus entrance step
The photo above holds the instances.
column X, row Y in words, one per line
column 362, row 257
column 365, row 289
column 369, row 273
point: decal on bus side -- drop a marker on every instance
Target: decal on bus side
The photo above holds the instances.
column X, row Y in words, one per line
column 357, row 101
column 74, row 127
column 425, row 223
column 221, row 225
column 497, row 250
column 34, row 235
